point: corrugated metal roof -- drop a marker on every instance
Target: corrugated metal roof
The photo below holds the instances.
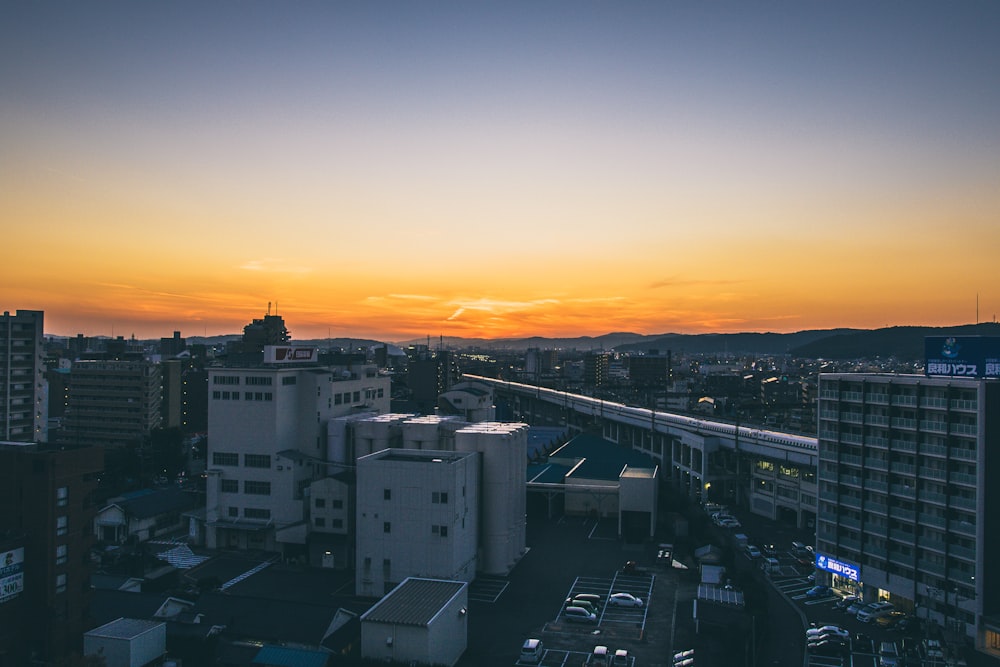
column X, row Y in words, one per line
column 413, row 602
column 124, row 628
column 279, row 656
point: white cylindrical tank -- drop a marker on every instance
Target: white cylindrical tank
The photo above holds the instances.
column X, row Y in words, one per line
column 503, row 448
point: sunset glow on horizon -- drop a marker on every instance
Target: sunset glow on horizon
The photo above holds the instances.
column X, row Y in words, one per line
column 400, row 170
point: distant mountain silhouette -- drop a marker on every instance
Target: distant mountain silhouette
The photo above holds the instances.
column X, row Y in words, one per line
column 897, row 342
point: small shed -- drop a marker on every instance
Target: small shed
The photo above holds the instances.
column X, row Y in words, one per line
column 127, row 642
column 421, row 621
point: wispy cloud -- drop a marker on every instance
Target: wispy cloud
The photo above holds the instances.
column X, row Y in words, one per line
column 273, row 265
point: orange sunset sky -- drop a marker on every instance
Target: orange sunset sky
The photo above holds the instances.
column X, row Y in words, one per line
column 398, row 170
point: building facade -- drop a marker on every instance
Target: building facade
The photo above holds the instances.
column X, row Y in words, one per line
column 47, row 499
column 417, row 516
column 906, row 512
column 267, row 442
column 112, row 403
column 23, row 389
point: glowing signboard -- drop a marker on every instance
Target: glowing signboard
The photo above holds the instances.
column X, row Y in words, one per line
column 838, row 567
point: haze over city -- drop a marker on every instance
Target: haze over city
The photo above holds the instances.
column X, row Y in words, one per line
column 394, row 170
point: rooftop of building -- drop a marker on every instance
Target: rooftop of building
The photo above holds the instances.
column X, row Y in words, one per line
column 414, row 602
column 599, row 458
column 418, row 455
column 124, row 628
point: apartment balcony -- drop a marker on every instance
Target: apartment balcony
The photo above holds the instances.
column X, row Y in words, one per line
column 931, row 520
column 963, row 502
column 962, row 528
column 906, row 424
column 905, row 515
column 933, row 473
column 964, row 406
column 903, row 491
column 903, row 469
column 933, row 497
column 933, row 450
column 963, row 454
column 878, row 398
column 965, row 429
column 932, row 426
column 963, row 479
column 964, row 553
column 933, row 402
column 903, row 445
column 876, row 464
column 876, row 486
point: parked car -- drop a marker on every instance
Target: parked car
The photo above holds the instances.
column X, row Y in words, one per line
column 584, row 604
column 829, row 647
column 531, row 651
column 845, row 602
column 826, row 639
column 620, row 659
column 875, row 610
column 828, row 630
column 592, row 598
column 624, row 600
column 819, row 591
column 600, row 657
column 890, row 620
column 579, row 615
column 751, row 551
column 856, row 607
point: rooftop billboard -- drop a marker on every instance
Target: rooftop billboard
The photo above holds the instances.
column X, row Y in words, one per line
column 962, row 356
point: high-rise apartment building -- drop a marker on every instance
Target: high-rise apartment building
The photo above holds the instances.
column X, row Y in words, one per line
column 112, row 403
column 46, row 513
column 906, row 511
column 23, row 397
column 596, row 369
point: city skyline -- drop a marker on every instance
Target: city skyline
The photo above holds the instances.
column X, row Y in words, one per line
column 398, row 170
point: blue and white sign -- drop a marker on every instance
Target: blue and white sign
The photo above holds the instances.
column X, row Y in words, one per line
column 11, row 574
column 838, row 567
column 962, row 356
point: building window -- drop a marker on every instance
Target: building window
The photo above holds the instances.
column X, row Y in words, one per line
column 258, row 381
column 337, row 399
column 230, row 486
column 386, row 494
column 319, row 522
column 287, row 380
column 386, row 527
column 60, row 583
column 439, row 497
column 61, row 525
column 62, row 496
column 225, row 459
column 257, row 460
column 253, row 487
column 439, row 531
column 337, row 504
column 256, row 513
column 226, row 379
column 61, row 554
column 234, row 512
column 337, row 523
column 320, row 502
column 357, row 397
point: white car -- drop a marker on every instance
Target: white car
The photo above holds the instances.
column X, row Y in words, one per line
column 624, row 600
column 751, row 551
column 827, row 630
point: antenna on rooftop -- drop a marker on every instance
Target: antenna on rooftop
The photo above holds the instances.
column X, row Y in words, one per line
column 268, row 308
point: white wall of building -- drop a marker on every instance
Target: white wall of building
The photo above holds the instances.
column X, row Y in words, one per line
column 401, row 513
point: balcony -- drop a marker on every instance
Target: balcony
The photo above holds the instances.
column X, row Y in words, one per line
column 899, row 422
column 933, row 450
column 931, row 520
column 963, row 502
column 963, row 454
column 933, row 473
column 965, row 406
column 903, row 491
column 903, row 445
column 965, row 429
column 907, row 400
column 964, row 553
column 962, row 528
column 933, row 426
column 876, row 464
column 962, row 478
column 905, row 515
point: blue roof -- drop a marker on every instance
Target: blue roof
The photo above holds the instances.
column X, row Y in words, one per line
column 549, row 473
column 279, row 656
column 602, row 459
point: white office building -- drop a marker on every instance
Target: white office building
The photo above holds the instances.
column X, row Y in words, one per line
column 268, row 439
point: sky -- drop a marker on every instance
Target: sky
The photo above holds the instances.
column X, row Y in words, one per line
column 395, row 170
